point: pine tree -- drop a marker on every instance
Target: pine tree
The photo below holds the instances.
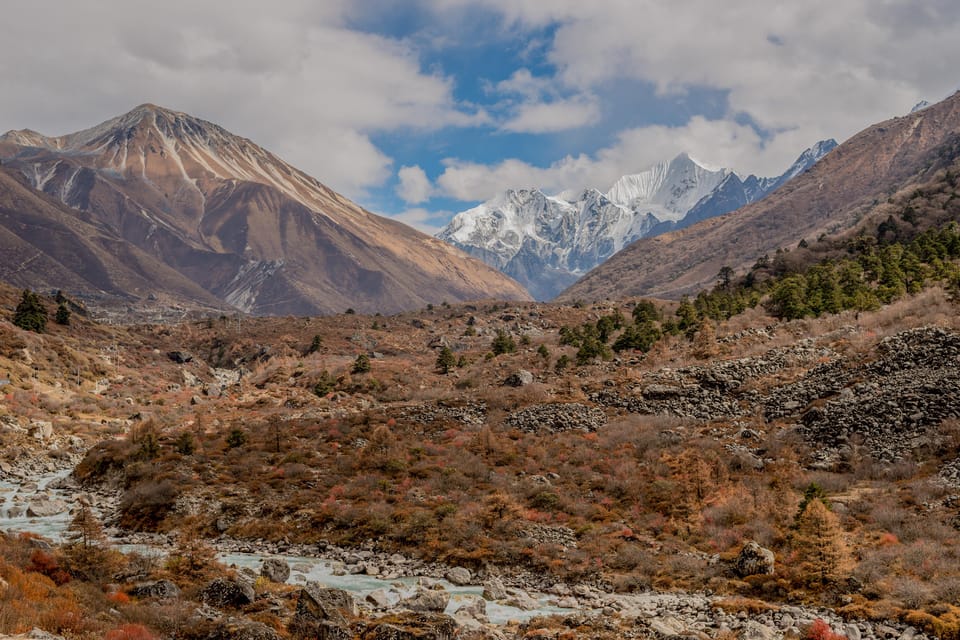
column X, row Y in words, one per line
column 85, row 529
column 63, row 314
column 820, row 547
column 446, row 360
column 30, row 314
column 361, row 364
column 503, row 343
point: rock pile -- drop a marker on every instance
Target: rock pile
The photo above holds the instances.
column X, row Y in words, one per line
column 556, row 417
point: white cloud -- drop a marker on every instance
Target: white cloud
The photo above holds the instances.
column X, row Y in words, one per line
column 550, row 117
column 715, row 142
column 414, row 186
column 803, row 71
column 291, row 76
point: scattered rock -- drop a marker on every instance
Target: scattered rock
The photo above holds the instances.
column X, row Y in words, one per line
column 556, row 417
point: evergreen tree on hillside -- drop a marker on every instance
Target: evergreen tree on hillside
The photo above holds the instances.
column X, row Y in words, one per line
column 63, row 314
column 30, row 314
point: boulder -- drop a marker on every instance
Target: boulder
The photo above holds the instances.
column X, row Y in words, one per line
column 275, row 570
column 427, row 600
column 241, row 629
column 520, row 378
column 41, row 430
column 412, row 626
column 379, row 598
column 46, row 508
column 227, row 593
column 317, row 604
column 459, row 576
column 161, row 589
column 754, row 560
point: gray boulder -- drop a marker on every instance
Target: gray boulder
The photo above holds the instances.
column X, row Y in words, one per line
column 413, row 626
column 459, row 576
column 427, row 600
column 493, row 589
column 754, row 560
column 227, row 593
column 161, row 589
column 318, row 604
column 521, row 378
column 46, row 508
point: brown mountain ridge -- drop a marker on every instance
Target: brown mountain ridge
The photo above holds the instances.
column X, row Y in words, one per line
column 243, row 225
column 829, row 198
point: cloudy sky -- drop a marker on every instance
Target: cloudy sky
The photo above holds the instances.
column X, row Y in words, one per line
column 420, row 108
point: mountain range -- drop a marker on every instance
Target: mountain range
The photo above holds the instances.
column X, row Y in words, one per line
column 209, row 217
column 547, row 242
column 829, row 198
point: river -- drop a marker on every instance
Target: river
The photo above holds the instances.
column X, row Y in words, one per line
column 16, row 496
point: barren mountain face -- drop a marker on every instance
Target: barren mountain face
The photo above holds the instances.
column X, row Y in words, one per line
column 246, row 226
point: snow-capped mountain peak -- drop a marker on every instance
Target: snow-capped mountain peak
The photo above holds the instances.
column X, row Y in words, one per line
column 667, row 189
column 547, row 242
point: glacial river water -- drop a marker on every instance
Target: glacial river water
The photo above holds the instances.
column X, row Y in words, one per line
column 16, row 497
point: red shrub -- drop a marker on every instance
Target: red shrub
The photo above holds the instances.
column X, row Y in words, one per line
column 129, row 632
column 820, row 630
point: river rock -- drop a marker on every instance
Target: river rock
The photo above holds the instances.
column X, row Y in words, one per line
column 427, row 600
column 227, row 593
column 522, row 600
column 46, row 508
column 275, row 570
column 459, row 576
column 162, row 589
column 493, row 589
column 379, row 598
column 754, row 560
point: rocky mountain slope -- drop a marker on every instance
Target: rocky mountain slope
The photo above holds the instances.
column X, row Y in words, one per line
column 547, row 242
column 829, row 198
column 245, row 226
column 46, row 245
